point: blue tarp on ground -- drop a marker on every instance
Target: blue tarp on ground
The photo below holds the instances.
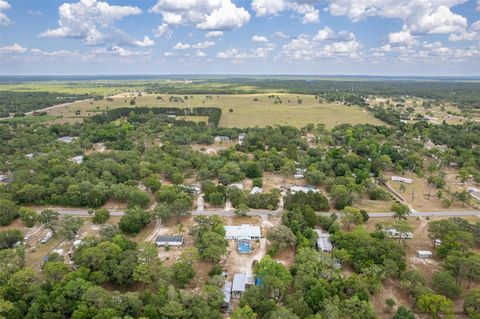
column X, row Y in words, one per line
column 244, row 247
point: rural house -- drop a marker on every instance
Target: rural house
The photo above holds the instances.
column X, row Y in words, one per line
column 169, row 241
column 402, row 179
column 242, row 231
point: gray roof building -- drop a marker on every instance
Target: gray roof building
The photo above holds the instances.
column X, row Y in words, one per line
column 240, row 283
column 323, row 242
column 242, row 231
column 169, row 240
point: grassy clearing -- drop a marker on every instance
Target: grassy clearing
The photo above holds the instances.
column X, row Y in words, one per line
column 241, row 110
column 421, row 195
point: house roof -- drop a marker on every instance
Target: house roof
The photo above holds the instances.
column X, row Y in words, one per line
column 424, row 252
column 323, row 241
column 227, row 290
column 305, row 189
column 169, row 239
column 256, row 190
column 244, row 230
column 240, row 281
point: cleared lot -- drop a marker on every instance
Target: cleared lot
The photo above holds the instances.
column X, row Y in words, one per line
column 297, row 110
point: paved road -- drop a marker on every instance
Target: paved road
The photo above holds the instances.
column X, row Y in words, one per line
column 260, row 212
column 425, row 214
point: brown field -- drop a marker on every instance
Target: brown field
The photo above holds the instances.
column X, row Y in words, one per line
column 237, row 109
column 417, row 194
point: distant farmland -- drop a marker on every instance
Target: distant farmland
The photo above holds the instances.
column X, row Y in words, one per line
column 238, row 110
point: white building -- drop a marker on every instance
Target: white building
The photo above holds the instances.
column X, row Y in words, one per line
column 238, row 185
column 402, row 179
column 241, row 137
column 323, row 241
column 299, row 173
column 67, row 139
column 221, row 138
column 305, row 189
column 393, row 233
column 77, row 159
column 256, row 190
column 169, row 241
column 243, row 231
column 424, row 254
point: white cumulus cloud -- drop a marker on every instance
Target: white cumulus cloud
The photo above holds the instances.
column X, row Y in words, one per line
column 418, row 16
column 325, row 44
column 200, row 54
column 212, row 15
column 163, row 31
column 401, row 38
column 94, row 22
column 4, row 20
column 181, row 46
column 259, row 39
column 15, row 48
column 273, row 7
column 214, row 34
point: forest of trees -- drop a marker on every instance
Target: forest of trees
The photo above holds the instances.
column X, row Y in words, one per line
column 148, row 164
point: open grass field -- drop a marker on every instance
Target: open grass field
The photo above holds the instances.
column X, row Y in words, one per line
column 238, row 110
column 421, row 195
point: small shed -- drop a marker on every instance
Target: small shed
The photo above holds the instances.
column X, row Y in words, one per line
column 240, row 284
column 77, row 159
column 66, row 139
column 221, row 138
column 306, row 188
column 402, row 179
column 256, row 190
column 227, row 292
column 244, row 245
column 169, row 241
column 299, row 173
column 323, row 241
column 424, row 254
column 237, row 185
column 241, row 137
column 242, row 231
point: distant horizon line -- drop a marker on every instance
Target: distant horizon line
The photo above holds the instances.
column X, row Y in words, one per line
column 240, row 74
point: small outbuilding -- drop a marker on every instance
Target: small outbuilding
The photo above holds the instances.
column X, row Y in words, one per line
column 77, row 159
column 424, row 254
column 323, row 242
column 256, row 190
column 67, row 139
column 169, row 241
column 299, row 173
column 221, row 138
column 402, row 179
column 305, row 188
column 240, row 284
column 242, row 231
column 227, row 292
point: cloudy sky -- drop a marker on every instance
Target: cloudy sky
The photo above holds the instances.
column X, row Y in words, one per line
column 372, row 37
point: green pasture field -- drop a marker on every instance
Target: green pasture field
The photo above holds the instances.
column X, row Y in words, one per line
column 238, row 110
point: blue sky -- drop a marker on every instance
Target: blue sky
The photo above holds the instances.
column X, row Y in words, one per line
column 370, row 37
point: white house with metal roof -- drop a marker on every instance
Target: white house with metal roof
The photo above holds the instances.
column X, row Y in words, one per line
column 169, row 241
column 243, row 231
